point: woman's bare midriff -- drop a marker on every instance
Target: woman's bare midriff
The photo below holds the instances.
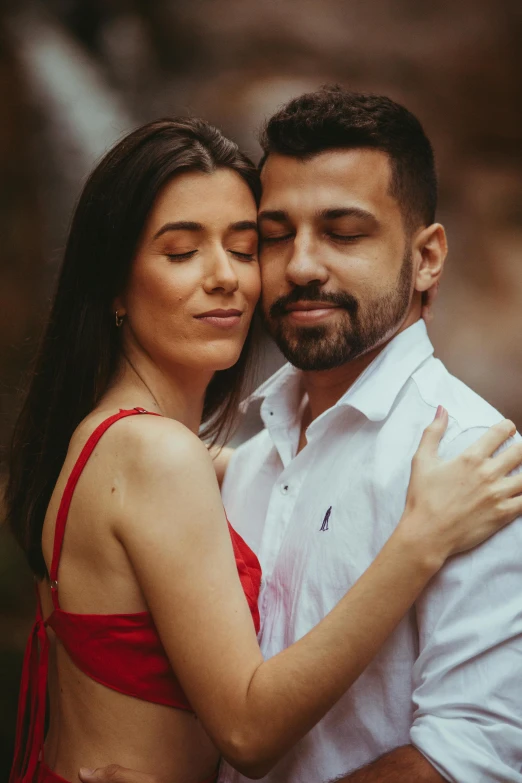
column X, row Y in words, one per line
column 91, row 726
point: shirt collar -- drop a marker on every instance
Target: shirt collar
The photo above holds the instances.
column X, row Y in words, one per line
column 377, row 388
column 373, row 393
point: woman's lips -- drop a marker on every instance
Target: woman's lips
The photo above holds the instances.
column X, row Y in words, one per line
column 222, row 319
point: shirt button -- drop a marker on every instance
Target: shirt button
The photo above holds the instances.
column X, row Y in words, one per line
column 284, row 489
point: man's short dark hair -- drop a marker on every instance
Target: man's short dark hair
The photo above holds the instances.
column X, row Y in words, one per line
column 335, row 118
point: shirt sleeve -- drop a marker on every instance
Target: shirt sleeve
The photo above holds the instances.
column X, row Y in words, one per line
column 467, row 679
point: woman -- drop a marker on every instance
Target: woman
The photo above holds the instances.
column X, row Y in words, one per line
column 115, row 500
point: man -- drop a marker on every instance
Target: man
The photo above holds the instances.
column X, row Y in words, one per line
column 349, row 248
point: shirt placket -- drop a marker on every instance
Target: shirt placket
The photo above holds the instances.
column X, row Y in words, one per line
column 284, row 493
column 280, row 510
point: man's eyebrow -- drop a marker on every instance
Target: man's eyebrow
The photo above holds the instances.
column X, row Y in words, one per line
column 340, row 212
column 181, row 225
column 332, row 213
column 276, row 215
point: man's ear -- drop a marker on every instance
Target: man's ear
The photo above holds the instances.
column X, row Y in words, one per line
column 430, row 248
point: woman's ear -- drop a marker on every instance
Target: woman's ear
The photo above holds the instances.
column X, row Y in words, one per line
column 118, row 306
column 430, row 248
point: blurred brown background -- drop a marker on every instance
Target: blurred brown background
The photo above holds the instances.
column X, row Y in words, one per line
column 76, row 74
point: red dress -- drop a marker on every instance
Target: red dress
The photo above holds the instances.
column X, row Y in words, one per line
column 121, row 651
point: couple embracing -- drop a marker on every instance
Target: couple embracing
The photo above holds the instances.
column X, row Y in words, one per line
column 360, row 616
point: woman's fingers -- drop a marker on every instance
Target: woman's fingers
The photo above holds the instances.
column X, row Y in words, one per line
column 432, row 435
column 513, row 508
column 508, row 460
column 512, row 487
column 492, row 440
column 467, row 499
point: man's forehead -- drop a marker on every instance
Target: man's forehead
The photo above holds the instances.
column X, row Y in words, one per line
column 361, row 173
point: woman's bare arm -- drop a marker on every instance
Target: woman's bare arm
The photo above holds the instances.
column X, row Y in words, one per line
column 173, row 527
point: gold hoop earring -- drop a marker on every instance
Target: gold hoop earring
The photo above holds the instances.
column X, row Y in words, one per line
column 119, row 319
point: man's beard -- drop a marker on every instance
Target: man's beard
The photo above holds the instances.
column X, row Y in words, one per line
column 364, row 325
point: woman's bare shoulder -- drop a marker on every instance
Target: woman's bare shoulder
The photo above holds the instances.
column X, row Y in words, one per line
column 147, row 467
column 144, row 443
column 159, row 467
column 138, row 447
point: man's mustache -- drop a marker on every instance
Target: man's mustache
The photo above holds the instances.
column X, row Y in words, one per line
column 313, row 293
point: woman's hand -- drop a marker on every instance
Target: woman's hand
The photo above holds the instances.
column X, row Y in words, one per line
column 454, row 505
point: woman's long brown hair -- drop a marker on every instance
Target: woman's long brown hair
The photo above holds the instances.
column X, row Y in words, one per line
column 80, row 347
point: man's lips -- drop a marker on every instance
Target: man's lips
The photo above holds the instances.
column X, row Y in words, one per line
column 311, row 306
column 310, row 312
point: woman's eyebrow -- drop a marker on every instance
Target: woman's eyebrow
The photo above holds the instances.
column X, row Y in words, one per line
column 189, row 225
column 181, row 225
column 243, row 225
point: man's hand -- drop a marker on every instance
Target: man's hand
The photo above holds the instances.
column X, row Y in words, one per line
column 115, row 774
column 402, row 765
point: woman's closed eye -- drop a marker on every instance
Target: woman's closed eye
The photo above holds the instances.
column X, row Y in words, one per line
column 244, row 256
column 181, row 256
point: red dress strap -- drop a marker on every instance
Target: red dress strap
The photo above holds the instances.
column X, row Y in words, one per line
column 30, row 724
column 63, row 511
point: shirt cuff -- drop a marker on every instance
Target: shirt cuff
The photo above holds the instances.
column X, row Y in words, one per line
column 462, row 751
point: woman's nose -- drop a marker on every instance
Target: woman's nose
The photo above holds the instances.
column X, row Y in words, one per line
column 222, row 275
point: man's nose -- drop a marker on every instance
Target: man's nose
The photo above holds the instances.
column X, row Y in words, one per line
column 305, row 265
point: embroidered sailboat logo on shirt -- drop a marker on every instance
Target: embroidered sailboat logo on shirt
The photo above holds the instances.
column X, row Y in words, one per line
column 324, row 526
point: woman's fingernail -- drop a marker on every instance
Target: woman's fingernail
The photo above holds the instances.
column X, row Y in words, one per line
column 440, row 411
column 86, row 772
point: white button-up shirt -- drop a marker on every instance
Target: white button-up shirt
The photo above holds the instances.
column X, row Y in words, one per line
column 449, row 679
